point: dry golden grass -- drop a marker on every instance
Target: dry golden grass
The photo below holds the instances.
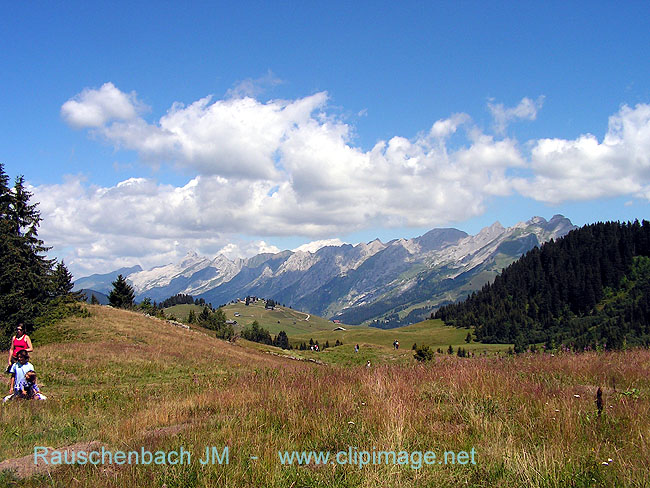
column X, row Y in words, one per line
column 133, row 382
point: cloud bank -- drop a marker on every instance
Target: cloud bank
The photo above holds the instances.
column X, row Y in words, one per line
column 289, row 168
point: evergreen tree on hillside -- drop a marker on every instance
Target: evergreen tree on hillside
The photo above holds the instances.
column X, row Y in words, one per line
column 218, row 319
column 226, row 332
column 204, row 316
column 26, row 274
column 122, row 295
column 256, row 333
column 148, row 307
column 5, row 194
column 214, row 320
column 281, row 340
column 61, row 280
column 179, row 299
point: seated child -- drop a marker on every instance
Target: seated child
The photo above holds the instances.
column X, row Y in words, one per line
column 30, row 389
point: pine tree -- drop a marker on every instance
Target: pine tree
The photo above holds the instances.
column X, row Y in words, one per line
column 204, row 316
column 281, row 340
column 25, row 274
column 61, row 280
column 5, row 198
column 219, row 318
column 256, row 333
column 122, row 295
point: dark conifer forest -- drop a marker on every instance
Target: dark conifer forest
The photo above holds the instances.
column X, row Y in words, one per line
column 590, row 288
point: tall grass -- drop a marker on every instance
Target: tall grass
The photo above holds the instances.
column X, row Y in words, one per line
column 134, row 382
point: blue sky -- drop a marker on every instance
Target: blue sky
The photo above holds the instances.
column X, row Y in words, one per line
column 335, row 120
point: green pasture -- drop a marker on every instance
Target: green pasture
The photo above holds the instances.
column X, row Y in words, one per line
column 182, row 312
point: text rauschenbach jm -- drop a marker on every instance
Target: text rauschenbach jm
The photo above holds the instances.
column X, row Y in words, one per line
column 221, row 455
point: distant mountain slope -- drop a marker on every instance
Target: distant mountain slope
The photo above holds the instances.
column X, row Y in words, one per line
column 103, row 282
column 447, row 274
column 592, row 286
column 385, row 284
column 102, row 299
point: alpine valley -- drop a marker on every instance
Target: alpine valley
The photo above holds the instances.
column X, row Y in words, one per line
column 382, row 284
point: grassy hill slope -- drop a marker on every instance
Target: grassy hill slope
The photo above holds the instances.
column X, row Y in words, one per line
column 301, row 327
column 129, row 382
column 281, row 318
column 181, row 312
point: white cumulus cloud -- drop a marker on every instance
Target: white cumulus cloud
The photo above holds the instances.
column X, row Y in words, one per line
column 94, row 108
column 236, row 137
column 586, row 168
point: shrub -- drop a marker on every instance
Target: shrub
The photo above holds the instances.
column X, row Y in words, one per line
column 423, row 353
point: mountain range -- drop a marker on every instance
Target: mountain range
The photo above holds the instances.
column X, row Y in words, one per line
column 382, row 284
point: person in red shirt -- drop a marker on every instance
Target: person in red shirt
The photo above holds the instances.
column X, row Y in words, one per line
column 19, row 342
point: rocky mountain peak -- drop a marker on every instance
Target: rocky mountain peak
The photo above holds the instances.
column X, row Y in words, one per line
column 359, row 282
column 489, row 233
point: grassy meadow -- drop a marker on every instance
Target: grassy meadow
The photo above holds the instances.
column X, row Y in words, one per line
column 374, row 343
column 125, row 381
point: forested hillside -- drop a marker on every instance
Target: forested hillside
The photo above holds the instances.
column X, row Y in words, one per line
column 589, row 288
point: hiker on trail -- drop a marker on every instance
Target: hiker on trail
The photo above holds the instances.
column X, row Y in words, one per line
column 19, row 373
column 19, row 342
column 356, row 348
column 396, row 345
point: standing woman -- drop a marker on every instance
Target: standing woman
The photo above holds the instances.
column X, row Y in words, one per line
column 19, row 342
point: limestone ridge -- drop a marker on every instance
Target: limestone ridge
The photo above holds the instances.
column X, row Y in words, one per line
column 392, row 283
